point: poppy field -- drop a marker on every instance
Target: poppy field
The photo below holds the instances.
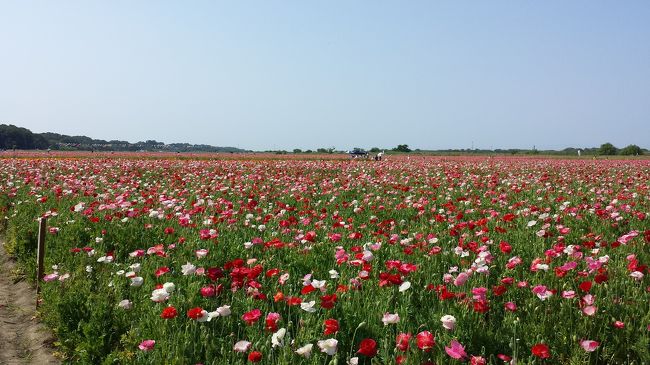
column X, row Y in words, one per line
column 426, row 260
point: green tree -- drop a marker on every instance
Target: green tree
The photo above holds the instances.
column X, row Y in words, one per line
column 402, row 148
column 607, row 149
column 20, row 138
column 632, row 150
column 374, row 149
column 297, row 150
column 326, row 150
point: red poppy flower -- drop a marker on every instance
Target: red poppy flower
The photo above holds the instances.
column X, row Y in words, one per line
column 481, row 306
column 255, row 356
column 505, row 247
column 307, row 289
column 161, row 271
column 368, row 347
column 425, row 341
column 328, row 301
column 310, row 236
column 445, row 294
column 252, row 316
column 195, row 313
column 355, row 235
column 169, row 313
column 294, row 301
column 208, row 291
column 499, row 290
column 331, row 326
column 541, row 350
column 402, row 341
column 214, row 273
column 601, row 278
column 272, row 320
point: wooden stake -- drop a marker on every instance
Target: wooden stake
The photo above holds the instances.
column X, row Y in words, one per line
column 40, row 255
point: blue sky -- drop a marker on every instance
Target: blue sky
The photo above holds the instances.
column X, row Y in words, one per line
column 283, row 75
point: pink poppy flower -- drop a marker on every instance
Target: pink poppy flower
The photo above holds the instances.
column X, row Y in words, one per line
column 51, row 277
column 589, row 345
column 456, row 350
column 461, row 279
column 147, row 345
column 589, row 310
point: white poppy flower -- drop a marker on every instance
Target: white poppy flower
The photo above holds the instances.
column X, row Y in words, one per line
column 390, row 318
column 224, row 311
column 242, row 346
column 448, row 322
column 277, row 339
column 308, row 307
column 305, row 351
column 188, row 269
column 125, row 304
column 404, row 286
column 328, row 346
column 159, row 295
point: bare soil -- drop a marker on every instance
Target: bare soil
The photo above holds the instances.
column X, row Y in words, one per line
column 23, row 339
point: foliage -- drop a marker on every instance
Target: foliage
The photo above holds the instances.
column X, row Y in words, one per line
column 631, row 150
column 402, row 148
column 329, row 150
column 607, row 149
column 12, row 137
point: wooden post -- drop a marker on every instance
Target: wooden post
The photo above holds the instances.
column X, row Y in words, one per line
column 40, row 255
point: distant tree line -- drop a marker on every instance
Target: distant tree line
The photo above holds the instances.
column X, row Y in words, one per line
column 13, row 137
column 605, row 149
column 608, row 149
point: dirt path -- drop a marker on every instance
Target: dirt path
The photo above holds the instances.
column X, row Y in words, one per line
column 23, row 340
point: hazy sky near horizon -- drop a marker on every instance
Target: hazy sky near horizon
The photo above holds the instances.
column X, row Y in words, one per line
column 303, row 74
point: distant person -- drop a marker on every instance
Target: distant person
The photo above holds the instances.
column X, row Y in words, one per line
column 579, row 153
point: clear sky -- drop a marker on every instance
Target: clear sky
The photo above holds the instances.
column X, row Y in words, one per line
column 306, row 74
